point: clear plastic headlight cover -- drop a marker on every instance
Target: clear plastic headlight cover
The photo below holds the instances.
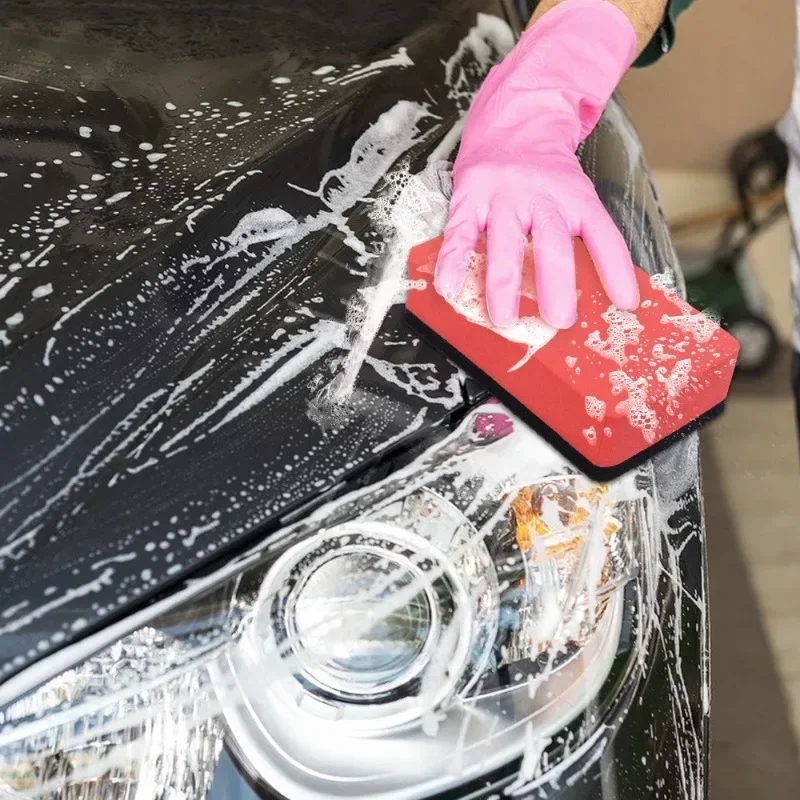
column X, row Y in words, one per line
column 479, row 606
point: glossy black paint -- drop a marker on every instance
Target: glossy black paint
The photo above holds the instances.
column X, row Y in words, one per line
column 149, row 322
column 105, row 500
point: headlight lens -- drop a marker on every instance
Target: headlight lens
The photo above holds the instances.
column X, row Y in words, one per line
column 360, row 616
column 402, row 640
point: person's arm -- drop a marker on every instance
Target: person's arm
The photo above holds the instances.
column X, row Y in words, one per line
column 646, row 16
column 517, row 174
column 664, row 37
column 653, row 21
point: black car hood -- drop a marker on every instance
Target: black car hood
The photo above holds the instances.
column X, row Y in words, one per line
column 185, row 229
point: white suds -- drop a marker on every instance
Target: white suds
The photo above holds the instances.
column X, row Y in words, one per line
column 264, row 225
column 532, row 331
column 659, row 354
column 635, row 408
column 6, row 287
column 623, row 330
column 115, row 198
column 701, row 327
column 42, row 291
column 676, row 381
column 595, row 408
column 399, row 59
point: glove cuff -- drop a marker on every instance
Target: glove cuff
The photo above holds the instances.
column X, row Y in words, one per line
column 582, row 48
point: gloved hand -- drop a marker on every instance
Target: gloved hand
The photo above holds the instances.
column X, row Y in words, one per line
column 517, row 173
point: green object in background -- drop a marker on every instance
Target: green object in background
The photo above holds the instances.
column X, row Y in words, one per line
column 720, row 280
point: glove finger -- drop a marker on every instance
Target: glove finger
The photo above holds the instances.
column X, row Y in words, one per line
column 505, row 247
column 554, row 260
column 458, row 244
column 611, row 257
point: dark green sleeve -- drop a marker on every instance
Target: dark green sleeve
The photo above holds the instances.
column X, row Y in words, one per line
column 665, row 36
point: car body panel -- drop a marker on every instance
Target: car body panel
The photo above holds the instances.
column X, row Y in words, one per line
column 182, row 263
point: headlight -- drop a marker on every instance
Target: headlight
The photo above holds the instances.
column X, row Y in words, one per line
column 478, row 606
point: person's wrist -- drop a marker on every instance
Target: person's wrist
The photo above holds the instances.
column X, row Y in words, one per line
column 581, row 48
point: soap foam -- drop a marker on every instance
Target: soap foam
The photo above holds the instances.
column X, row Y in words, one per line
column 676, row 381
column 660, row 355
column 595, row 408
column 531, row 331
column 635, row 408
column 623, row 330
column 698, row 325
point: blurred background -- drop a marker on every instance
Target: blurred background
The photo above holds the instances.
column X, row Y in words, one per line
column 728, row 80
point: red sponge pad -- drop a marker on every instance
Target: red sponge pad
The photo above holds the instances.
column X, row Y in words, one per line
column 607, row 392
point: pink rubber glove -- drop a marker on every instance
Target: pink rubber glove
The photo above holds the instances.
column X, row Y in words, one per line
column 517, row 173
